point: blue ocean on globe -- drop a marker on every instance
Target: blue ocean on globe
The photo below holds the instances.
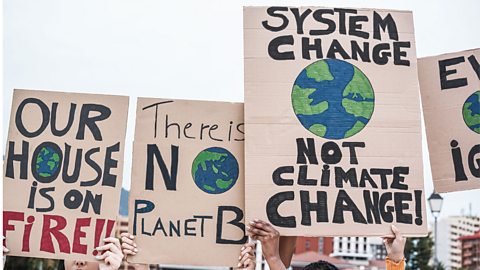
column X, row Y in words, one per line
column 47, row 162
column 333, row 99
column 215, row 170
column 471, row 112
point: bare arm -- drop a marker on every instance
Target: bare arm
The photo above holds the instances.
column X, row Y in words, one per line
column 395, row 250
column 287, row 248
column 270, row 239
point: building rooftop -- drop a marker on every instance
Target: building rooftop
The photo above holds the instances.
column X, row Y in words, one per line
column 470, row 237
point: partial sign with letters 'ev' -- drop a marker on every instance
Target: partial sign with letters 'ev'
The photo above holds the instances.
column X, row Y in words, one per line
column 450, row 87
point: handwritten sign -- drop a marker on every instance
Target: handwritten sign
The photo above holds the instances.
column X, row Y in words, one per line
column 332, row 112
column 450, row 87
column 187, row 195
column 62, row 173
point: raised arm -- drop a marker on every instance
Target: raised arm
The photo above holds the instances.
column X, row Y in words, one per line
column 287, row 248
column 278, row 251
column 395, row 247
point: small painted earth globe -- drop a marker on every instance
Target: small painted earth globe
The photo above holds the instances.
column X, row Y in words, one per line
column 333, row 99
column 215, row 170
column 48, row 161
column 471, row 112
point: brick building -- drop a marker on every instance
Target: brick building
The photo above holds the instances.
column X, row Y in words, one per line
column 450, row 230
column 471, row 251
column 321, row 245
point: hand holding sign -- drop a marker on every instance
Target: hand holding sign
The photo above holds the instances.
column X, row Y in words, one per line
column 246, row 260
column 129, row 247
column 267, row 235
column 112, row 255
column 395, row 245
column 270, row 239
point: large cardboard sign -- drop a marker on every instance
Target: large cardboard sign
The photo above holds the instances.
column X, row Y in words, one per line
column 62, row 173
column 332, row 112
column 450, row 87
column 187, row 194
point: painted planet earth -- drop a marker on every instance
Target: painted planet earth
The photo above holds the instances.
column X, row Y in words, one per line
column 471, row 112
column 215, row 170
column 333, row 99
column 47, row 162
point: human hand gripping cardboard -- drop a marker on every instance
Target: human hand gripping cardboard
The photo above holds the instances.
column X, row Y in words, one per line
column 129, row 248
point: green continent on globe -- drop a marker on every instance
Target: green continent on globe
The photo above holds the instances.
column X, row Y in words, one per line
column 355, row 129
column 359, row 85
column 471, row 112
column 223, row 184
column 319, row 71
column 301, row 102
column 358, row 88
column 333, row 99
column 207, row 156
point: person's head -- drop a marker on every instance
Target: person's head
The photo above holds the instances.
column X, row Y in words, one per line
column 80, row 265
column 320, row 265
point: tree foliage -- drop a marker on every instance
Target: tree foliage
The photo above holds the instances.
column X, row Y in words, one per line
column 30, row 263
column 418, row 253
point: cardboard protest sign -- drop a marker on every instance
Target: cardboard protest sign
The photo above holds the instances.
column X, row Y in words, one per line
column 332, row 113
column 62, row 173
column 450, row 87
column 187, row 195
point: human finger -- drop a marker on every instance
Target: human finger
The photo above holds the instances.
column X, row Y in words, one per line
column 246, row 250
column 128, row 246
column 258, row 224
column 110, row 247
column 129, row 252
column 249, row 244
column 128, row 240
column 113, row 260
column 397, row 232
column 247, row 262
column 104, row 255
column 253, row 237
column 257, row 231
column 246, row 256
column 112, row 240
column 388, row 239
column 265, row 225
column 250, row 234
column 127, row 235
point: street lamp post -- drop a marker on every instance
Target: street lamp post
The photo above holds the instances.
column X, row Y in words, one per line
column 435, row 201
